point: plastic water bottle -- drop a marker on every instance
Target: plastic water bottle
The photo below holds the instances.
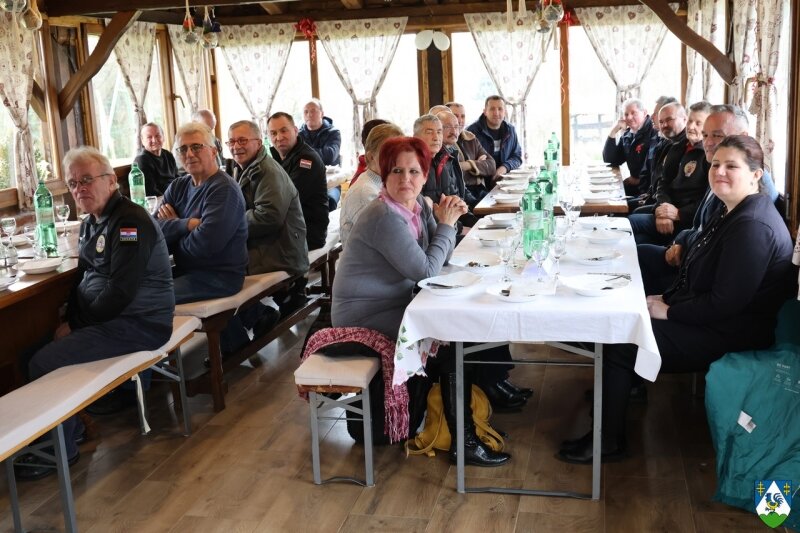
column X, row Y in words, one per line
column 532, row 218
column 45, row 220
column 136, row 184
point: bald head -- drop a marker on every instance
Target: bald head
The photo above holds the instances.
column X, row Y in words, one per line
column 672, row 120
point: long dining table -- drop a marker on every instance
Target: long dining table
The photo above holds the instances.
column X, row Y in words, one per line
column 29, row 307
column 479, row 315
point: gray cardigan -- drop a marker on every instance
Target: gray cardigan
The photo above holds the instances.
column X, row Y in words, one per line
column 381, row 264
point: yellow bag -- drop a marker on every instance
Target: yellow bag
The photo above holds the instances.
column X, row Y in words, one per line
column 436, row 435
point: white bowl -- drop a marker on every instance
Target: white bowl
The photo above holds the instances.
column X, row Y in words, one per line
column 455, row 284
column 604, row 235
column 6, row 282
column 40, row 266
column 20, row 240
column 502, row 219
column 507, row 198
column 599, row 221
column 514, row 189
column 517, row 292
column 491, row 237
column 476, row 261
column 595, row 284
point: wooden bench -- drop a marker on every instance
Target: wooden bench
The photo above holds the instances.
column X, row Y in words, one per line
column 41, row 406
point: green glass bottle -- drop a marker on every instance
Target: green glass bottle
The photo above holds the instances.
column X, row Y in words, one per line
column 136, row 184
column 547, row 191
column 532, row 218
column 45, row 220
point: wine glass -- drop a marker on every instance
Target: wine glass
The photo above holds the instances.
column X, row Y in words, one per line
column 507, row 249
column 62, row 212
column 9, row 227
column 558, row 248
column 152, row 204
column 540, row 249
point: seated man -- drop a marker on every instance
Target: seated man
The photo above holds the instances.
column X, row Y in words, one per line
column 319, row 133
column 497, row 136
column 442, row 176
column 203, row 220
column 157, row 165
column 207, row 117
column 123, row 300
column 643, row 198
column 634, row 144
column 276, row 230
column 307, row 171
column 659, row 264
column 477, row 165
column 450, row 132
column 367, row 189
column 679, row 195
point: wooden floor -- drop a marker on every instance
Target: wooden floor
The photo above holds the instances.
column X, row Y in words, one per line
column 248, row 468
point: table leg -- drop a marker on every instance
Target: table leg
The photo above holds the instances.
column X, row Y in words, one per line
column 460, row 417
column 597, row 429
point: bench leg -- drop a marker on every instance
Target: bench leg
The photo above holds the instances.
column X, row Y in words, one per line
column 13, row 497
column 62, row 466
column 367, row 414
column 215, row 362
column 312, row 401
column 187, row 419
column 141, row 407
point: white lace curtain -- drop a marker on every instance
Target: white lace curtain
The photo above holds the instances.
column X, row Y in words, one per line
column 756, row 51
column 16, row 84
column 256, row 55
column 189, row 59
column 134, row 53
column 512, row 59
column 361, row 52
column 626, row 40
column 707, row 19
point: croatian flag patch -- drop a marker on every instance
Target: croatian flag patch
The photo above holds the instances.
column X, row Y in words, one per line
column 305, row 163
column 128, row 235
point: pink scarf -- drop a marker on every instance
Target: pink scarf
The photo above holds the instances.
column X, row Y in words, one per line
column 412, row 218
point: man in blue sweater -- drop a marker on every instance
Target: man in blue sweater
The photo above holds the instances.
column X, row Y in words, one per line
column 497, row 136
column 203, row 220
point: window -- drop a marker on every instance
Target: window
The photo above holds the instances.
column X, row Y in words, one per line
column 471, row 81
column 664, row 77
column 398, row 99
column 337, row 104
column 115, row 120
column 183, row 106
column 781, row 113
column 294, row 90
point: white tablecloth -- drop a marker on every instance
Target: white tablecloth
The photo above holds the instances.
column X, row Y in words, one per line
column 618, row 317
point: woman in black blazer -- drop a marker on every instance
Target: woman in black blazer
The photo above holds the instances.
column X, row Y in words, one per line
column 731, row 285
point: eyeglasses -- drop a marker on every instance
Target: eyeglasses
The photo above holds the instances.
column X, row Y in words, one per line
column 83, row 180
column 195, row 148
column 241, row 141
column 450, row 127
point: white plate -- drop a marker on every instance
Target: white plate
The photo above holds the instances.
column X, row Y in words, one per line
column 69, row 224
column 608, row 189
column 6, row 283
column 476, row 261
column 597, row 197
column 602, row 181
column 40, row 266
column 20, row 240
column 519, row 292
column 502, row 219
column 595, row 284
column 511, row 189
column 507, row 198
column 522, row 171
column 589, row 256
column 461, row 282
column 595, row 221
column 491, row 237
column 604, row 235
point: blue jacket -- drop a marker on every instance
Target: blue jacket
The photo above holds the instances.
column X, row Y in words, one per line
column 510, row 150
column 326, row 141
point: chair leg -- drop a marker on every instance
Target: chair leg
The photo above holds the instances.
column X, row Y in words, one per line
column 312, row 400
column 367, row 416
column 187, row 416
column 13, row 497
column 215, row 362
column 62, row 465
column 140, row 405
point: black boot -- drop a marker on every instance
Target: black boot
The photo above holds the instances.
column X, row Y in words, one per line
column 475, row 452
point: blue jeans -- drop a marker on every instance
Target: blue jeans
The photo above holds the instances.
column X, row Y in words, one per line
column 119, row 336
column 657, row 274
column 333, row 197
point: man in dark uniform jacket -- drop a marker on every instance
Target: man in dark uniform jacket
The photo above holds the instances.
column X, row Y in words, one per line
column 307, row 171
column 634, row 144
column 123, row 302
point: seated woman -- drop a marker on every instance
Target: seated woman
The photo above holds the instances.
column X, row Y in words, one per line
column 395, row 243
column 734, row 278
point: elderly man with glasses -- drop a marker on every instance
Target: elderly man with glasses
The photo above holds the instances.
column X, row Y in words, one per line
column 202, row 216
column 123, row 300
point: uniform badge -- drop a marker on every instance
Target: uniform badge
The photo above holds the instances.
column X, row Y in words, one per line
column 689, row 167
column 129, row 235
column 305, row 163
column 773, row 498
column 100, row 245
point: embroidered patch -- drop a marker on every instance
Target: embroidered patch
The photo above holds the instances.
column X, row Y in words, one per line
column 100, row 245
column 305, row 163
column 689, row 167
column 639, row 148
column 128, row 234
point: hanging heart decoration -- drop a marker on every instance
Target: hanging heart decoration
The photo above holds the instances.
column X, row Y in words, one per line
column 308, row 28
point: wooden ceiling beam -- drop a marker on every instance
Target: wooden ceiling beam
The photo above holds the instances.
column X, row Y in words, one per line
column 353, row 4
column 273, row 8
column 721, row 63
column 105, row 45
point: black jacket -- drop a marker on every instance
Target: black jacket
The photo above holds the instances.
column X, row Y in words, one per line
column 159, row 171
column 667, row 160
column 686, row 189
column 327, row 141
column 307, row 171
column 632, row 148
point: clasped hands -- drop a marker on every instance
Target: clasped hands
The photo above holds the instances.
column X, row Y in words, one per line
column 657, row 307
column 167, row 212
column 449, row 209
column 666, row 215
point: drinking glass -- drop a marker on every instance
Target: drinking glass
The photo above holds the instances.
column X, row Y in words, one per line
column 560, row 225
column 152, row 204
column 62, row 212
column 558, row 248
column 540, row 249
column 9, row 227
column 507, row 250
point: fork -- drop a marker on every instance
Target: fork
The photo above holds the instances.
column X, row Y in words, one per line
column 442, row 286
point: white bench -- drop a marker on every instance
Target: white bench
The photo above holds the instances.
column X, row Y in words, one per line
column 42, row 405
column 216, row 313
column 319, row 375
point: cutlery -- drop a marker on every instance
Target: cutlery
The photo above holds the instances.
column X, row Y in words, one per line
column 629, row 232
column 433, row 285
column 616, row 275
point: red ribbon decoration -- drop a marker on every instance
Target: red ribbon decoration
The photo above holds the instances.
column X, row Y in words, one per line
column 569, row 18
column 308, row 28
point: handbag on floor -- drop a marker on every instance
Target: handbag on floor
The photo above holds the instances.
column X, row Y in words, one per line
column 436, row 435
